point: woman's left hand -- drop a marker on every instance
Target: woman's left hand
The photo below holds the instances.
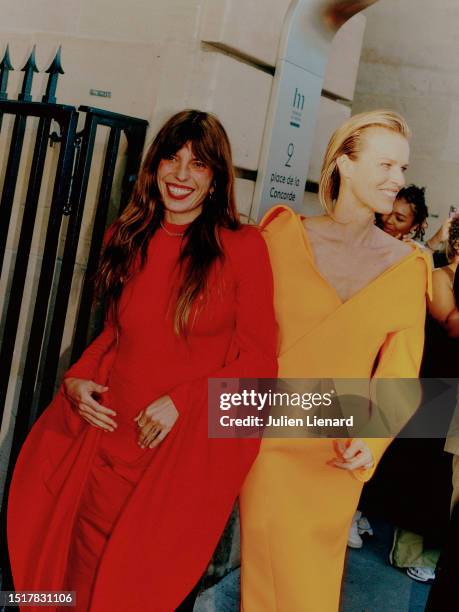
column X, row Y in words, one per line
column 352, row 455
column 156, row 421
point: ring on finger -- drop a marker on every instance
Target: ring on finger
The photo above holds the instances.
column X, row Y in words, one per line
column 156, row 433
column 156, row 429
column 152, row 437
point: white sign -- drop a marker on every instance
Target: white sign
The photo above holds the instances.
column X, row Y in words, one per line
column 288, row 160
column 308, row 30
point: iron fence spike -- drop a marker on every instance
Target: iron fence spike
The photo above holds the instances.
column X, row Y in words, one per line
column 31, row 63
column 54, row 71
column 5, row 67
column 6, row 64
column 56, row 66
column 29, row 69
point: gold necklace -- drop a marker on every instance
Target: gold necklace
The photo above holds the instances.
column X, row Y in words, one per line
column 170, row 233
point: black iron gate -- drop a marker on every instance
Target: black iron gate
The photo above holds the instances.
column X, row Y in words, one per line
column 70, row 186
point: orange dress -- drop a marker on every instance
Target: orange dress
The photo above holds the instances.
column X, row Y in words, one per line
column 296, row 509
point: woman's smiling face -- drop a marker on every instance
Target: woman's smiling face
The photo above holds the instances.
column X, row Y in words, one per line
column 399, row 222
column 184, row 183
column 378, row 173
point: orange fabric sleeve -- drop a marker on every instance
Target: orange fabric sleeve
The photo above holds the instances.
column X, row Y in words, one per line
column 400, row 358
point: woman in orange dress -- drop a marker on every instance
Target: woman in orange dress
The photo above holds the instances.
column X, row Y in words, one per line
column 350, row 303
column 118, row 493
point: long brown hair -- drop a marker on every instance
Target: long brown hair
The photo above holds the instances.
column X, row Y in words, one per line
column 126, row 250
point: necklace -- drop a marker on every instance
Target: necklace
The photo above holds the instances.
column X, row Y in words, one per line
column 170, row 233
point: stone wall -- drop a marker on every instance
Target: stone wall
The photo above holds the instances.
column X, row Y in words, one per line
column 410, row 63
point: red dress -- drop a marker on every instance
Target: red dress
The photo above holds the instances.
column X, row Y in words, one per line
column 131, row 528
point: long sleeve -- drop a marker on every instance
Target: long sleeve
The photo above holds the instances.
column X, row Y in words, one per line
column 255, row 335
column 395, row 399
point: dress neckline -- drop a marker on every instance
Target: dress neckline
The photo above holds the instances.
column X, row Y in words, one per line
column 174, row 230
column 291, row 224
column 415, row 252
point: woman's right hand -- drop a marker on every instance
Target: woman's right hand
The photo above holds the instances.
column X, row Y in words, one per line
column 80, row 392
column 352, row 455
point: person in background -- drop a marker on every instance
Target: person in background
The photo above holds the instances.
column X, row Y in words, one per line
column 444, row 593
column 408, row 221
column 408, row 218
column 398, row 491
column 438, row 243
column 443, row 307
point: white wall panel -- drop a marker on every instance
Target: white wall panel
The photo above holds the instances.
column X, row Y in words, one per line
column 252, row 28
column 238, row 94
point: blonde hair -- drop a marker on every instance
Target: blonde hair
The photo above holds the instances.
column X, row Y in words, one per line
column 347, row 140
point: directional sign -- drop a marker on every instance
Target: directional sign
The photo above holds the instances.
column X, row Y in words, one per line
column 308, row 31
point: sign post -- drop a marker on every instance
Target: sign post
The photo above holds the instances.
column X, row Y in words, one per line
column 308, row 30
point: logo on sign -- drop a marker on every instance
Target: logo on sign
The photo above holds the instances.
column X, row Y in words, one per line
column 297, row 108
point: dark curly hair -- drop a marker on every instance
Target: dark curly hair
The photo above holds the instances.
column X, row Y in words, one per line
column 452, row 246
column 456, row 287
column 415, row 196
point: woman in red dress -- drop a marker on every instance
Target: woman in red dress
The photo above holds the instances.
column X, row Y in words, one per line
column 118, row 493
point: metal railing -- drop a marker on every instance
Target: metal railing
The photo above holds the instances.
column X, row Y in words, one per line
column 70, row 181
